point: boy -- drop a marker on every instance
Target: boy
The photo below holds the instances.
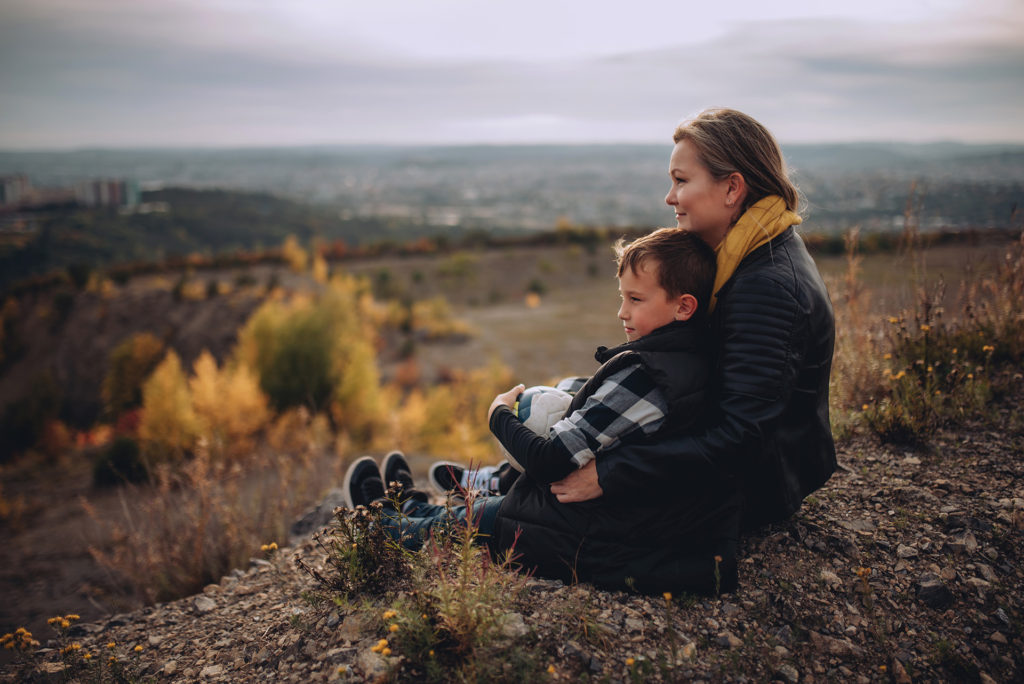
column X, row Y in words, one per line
column 653, row 385
column 664, row 277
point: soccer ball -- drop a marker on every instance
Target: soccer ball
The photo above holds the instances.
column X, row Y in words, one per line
column 538, row 408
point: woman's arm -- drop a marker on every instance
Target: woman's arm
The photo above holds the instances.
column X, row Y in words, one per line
column 757, row 369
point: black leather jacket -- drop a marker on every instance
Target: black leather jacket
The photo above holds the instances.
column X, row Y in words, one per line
column 774, row 333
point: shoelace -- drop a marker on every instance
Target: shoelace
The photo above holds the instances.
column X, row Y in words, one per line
column 483, row 478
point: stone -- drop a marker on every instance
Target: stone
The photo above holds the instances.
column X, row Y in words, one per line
column 904, row 551
column 690, row 651
column 986, row 572
column 899, row 673
column 211, row 671
column 831, row 579
column 513, row 626
column 154, row 640
column 203, row 604
column 634, row 625
column 355, row 626
column 933, row 593
column 169, row 668
column 787, row 673
column 837, row 647
column 372, row 664
column 728, row 640
column 998, row 638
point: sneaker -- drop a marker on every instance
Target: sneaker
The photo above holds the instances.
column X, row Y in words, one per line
column 362, row 483
column 396, row 469
column 448, row 476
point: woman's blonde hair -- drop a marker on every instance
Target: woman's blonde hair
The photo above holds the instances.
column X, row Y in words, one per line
column 729, row 141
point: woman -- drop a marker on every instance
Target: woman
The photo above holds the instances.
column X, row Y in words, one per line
column 772, row 328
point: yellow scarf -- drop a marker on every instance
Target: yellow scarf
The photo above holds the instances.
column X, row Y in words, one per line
column 758, row 225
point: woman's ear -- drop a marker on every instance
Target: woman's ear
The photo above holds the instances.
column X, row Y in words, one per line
column 687, row 307
column 735, row 189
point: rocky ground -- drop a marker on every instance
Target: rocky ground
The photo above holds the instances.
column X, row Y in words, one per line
column 906, row 566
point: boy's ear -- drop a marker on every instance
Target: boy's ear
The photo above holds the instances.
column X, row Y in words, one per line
column 687, row 307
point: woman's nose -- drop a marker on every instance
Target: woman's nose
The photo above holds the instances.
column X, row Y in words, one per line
column 669, row 199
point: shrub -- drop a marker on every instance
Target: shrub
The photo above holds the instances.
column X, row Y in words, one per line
column 130, row 364
column 319, row 353
column 168, row 428
column 119, row 463
column 294, row 255
column 230, row 407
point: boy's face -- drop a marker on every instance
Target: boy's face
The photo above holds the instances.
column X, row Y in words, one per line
column 646, row 306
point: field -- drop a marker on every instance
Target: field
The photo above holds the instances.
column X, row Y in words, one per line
column 537, row 312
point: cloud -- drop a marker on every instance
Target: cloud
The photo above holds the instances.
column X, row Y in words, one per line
column 124, row 74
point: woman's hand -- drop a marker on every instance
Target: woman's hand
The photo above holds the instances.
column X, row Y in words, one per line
column 579, row 485
column 505, row 399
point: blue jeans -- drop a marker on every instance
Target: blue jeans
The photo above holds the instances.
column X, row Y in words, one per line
column 418, row 519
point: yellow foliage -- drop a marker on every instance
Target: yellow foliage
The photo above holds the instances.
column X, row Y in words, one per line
column 169, row 426
column 229, row 405
column 433, row 317
column 294, row 254
column 320, row 270
column 450, row 420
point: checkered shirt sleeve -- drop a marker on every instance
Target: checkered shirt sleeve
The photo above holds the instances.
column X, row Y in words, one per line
column 628, row 400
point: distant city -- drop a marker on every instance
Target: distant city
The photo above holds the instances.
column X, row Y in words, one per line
column 945, row 185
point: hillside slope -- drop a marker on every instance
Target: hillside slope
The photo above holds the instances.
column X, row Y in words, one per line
column 906, row 566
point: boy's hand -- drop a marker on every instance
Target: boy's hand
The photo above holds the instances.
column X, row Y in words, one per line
column 506, row 399
column 579, row 485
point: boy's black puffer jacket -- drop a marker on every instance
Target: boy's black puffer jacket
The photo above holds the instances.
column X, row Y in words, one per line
column 663, row 543
column 773, row 336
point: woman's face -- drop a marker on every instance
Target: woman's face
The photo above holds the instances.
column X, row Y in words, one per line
column 703, row 205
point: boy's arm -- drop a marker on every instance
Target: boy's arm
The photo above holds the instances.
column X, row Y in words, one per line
column 626, row 401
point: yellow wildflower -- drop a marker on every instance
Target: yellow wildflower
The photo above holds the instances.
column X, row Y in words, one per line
column 970, row 376
column 431, row 654
column 887, row 356
column 988, row 348
column 388, row 614
column 111, row 644
column 667, row 595
column 893, row 319
column 551, row 669
column 54, row 620
column 864, row 407
column 87, row 656
column 925, row 327
column 385, row 652
column 138, row 649
column 113, row 659
column 342, row 669
column 72, row 617
column 393, row 628
column 64, row 624
column 630, row 662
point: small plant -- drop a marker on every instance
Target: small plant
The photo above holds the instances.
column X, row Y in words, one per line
column 363, row 558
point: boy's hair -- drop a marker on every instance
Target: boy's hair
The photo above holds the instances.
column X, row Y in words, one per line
column 685, row 263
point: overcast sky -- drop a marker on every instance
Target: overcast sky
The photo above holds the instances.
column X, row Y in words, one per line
column 127, row 73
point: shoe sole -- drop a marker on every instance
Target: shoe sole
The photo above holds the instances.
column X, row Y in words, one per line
column 346, row 491
column 390, row 463
column 440, row 465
